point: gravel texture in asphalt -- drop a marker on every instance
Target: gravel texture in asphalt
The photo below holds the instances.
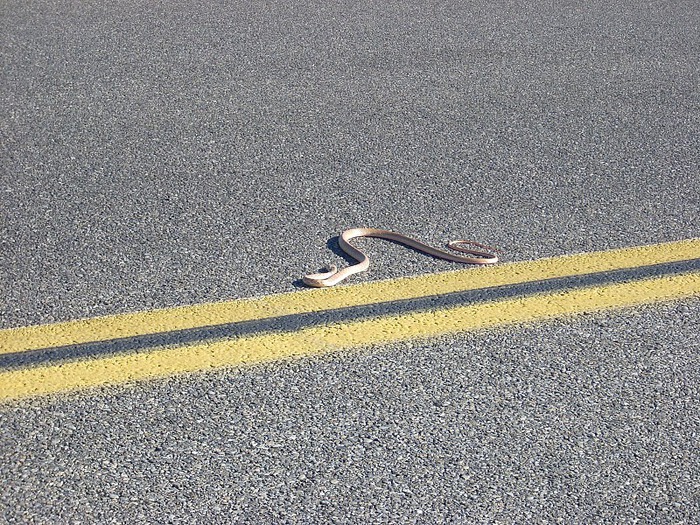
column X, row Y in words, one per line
column 587, row 421
column 165, row 153
column 156, row 154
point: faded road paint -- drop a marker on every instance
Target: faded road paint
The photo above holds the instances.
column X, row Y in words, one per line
column 157, row 362
column 185, row 317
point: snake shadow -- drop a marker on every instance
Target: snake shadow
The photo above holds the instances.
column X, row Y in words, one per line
column 333, row 245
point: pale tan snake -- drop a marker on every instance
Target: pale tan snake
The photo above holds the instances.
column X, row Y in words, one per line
column 333, row 276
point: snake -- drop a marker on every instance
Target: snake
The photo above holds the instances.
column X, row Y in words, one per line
column 333, row 276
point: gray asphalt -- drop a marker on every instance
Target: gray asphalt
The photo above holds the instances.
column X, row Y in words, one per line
column 590, row 421
column 165, row 154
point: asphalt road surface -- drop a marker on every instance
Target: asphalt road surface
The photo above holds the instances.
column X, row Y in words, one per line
column 162, row 154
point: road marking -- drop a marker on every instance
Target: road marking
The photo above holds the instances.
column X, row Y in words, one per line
column 301, row 321
column 187, row 317
column 322, row 339
column 257, row 348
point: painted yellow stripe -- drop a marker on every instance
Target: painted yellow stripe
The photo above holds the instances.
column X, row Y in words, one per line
column 165, row 320
column 317, row 340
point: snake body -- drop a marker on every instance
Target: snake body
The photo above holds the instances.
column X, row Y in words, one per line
column 333, row 276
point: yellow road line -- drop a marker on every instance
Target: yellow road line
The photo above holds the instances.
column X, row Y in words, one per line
column 179, row 318
column 323, row 339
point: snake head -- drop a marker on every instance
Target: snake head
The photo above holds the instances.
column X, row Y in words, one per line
column 316, row 280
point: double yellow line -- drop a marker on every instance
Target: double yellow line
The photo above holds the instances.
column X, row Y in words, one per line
column 178, row 358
